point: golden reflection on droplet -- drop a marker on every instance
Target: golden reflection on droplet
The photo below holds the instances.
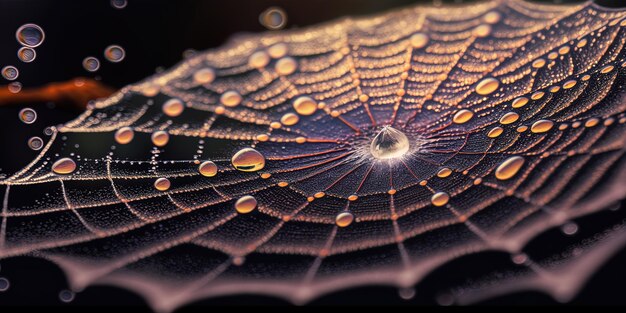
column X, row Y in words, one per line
column 522, row 129
column 64, row 166
column 492, row 17
column 150, row 90
column 482, row 30
column 419, row 40
column 462, row 116
column 487, row 86
column 353, row 197
column 508, row 118
column 539, row 63
column 607, row 69
column 344, row 219
column 300, row 140
column 207, row 169
column 305, row 105
column 392, row 191
column 248, row 160
column 286, row 66
column 444, row 172
column 259, row 59
column 564, row 50
column 173, row 107
column 553, row 55
column 266, row 175
column 283, row 184
column 278, row 50
column 509, row 167
column 204, row 76
column 554, row 89
column 262, row 137
column 592, row 122
column 541, row 126
column 276, row 125
column 162, row 184
column 582, row 43
column 537, row 95
column 569, row 84
column 440, row 198
column 519, row 102
column 124, row 135
column 289, row 119
column 245, row 204
column 160, row 138
column 495, row 132
column 231, row 98
column 320, row 194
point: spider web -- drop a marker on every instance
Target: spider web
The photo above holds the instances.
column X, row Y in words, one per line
column 106, row 223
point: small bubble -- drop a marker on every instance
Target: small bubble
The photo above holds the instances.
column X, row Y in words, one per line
column 4, row 284
column 28, row 115
column 30, row 35
column 26, row 54
column 35, row 143
column 273, row 18
column 15, row 87
column 114, row 53
column 91, row 64
column 10, row 72
column 119, row 4
column 66, row 296
column 48, row 131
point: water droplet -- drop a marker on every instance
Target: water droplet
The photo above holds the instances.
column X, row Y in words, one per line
column 119, row 4
column 554, row 89
column 522, row 129
column 231, row 98
column 4, row 284
column 289, row 119
column 564, row 50
column 26, row 54
column 444, row 172
column 509, row 167
column 389, row 143
column 482, row 30
column 286, row 66
column 160, row 138
column 35, row 143
column 246, row 204
column 114, row 53
column 607, row 69
column 319, row 195
column 27, row 115
column 440, row 198
column 30, row 35
column 207, row 169
column 582, row 43
column 519, row 258
column 519, row 102
column 278, row 50
column 419, row 40
column 124, row 135
column 592, row 122
column 173, row 107
column 537, row 95
column 248, row 160
column 508, row 118
column 204, row 76
column 273, row 18
column 259, row 59
column 462, row 116
column 495, row 132
column 263, row 137
column 541, row 126
column 344, row 219
column 91, row 64
column 150, row 90
column 64, row 166
column 569, row 84
column 553, row 55
column 66, row 296
column 539, row 63
column 10, row 72
column 487, row 86
column 305, row 105
column 162, row 184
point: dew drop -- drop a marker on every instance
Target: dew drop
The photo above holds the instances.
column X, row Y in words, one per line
column 66, row 296
column 495, row 132
column 508, row 118
column 487, row 86
column 273, row 18
column 162, row 184
column 204, row 76
column 259, row 59
column 248, row 160
column 462, row 116
column 444, row 172
column 519, row 102
column 124, row 135
column 245, row 204
column 582, row 43
column 231, row 98
column 10, row 72
column 569, row 228
column 35, row 143
column 91, row 64
column 607, row 69
column 289, row 119
column 539, row 63
column 278, row 50
column 509, row 167
column 114, row 53
column 27, row 115
column 305, row 105
column 492, row 17
column 440, row 198
column 26, row 54
column 564, row 50
column 160, row 138
column 64, row 166
column 286, row 66
column 419, row 40
column 482, row 30
column 30, row 35
column 406, row 293
column 569, row 84
column 389, row 143
column 592, row 122
column 207, row 169
column 344, row 219
column 173, row 107
column 541, row 126
column 537, row 95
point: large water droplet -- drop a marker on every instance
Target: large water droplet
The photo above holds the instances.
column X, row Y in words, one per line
column 509, row 167
column 305, row 105
column 487, row 86
column 245, row 204
column 389, row 143
column 344, row 219
column 248, row 160
column 64, row 166
column 440, row 198
column 207, row 169
column 30, row 35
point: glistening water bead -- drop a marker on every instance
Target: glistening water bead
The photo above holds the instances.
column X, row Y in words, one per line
column 273, row 18
column 10, row 72
column 26, row 54
column 27, row 115
column 64, row 166
column 91, row 64
column 114, row 53
column 248, row 160
column 30, row 35
column 389, row 143
column 35, row 143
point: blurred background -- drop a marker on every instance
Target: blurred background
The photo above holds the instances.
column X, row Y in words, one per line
column 156, row 34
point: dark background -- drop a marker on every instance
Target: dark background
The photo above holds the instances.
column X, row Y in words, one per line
column 155, row 33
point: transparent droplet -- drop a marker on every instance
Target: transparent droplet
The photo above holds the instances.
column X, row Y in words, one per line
column 245, row 204
column 508, row 118
column 10, row 72
column 64, row 166
column 482, row 30
column 30, row 35
column 344, row 219
column 35, row 143
column 14, row 87
column 389, row 143
column 462, row 116
column 114, row 53
column 26, row 54
column 4, row 284
column 91, row 64
column 519, row 102
column 48, row 131
column 27, row 115
column 162, row 184
column 492, row 17
column 173, row 107
column 440, row 198
column 207, row 169
column 273, row 18
column 119, row 4
column 278, row 50
column 487, row 86
column 541, row 126
column 248, row 160
column 495, row 132
column 160, row 138
column 66, row 296
column 444, row 172
column 539, row 63
column 124, row 135
column 509, row 167
column 305, row 105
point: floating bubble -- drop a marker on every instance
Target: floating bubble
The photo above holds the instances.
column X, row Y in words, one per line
column 91, row 64
column 119, row 4
column 30, row 35
column 10, row 72
column 35, row 143
column 48, row 131
column 273, row 18
column 26, row 54
column 66, row 296
column 28, row 115
column 114, row 53
column 15, row 87
column 4, row 284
